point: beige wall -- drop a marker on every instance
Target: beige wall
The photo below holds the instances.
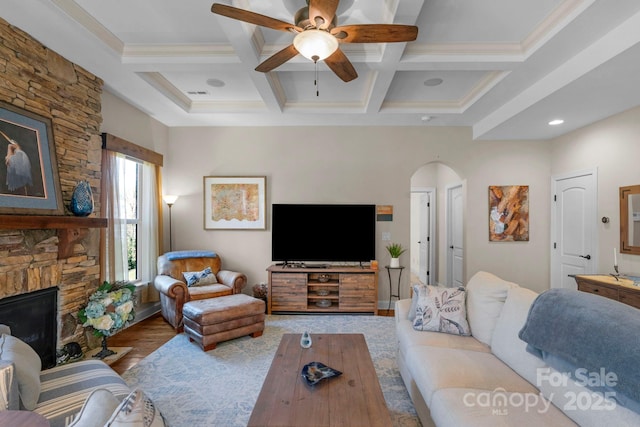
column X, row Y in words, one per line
column 375, row 165
column 127, row 122
column 613, row 147
column 358, row 165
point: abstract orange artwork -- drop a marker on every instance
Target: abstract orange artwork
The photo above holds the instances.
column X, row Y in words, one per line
column 509, row 213
column 234, row 202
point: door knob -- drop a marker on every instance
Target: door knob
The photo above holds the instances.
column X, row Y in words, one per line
column 585, row 256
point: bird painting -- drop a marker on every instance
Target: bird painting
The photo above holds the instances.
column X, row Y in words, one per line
column 18, row 168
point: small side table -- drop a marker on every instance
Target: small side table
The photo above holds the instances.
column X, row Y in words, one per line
column 22, row 418
column 397, row 294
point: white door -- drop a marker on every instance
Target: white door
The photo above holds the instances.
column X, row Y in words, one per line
column 454, row 236
column 426, row 244
column 573, row 227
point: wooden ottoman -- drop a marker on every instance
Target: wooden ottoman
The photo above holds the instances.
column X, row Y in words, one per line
column 210, row 321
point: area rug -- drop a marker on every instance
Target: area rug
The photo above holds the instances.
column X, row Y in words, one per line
column 193, row 388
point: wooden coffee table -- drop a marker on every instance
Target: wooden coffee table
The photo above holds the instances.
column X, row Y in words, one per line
column 351, row 399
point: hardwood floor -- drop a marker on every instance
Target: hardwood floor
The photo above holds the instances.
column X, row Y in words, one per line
column 150, row 334
column 144, row 338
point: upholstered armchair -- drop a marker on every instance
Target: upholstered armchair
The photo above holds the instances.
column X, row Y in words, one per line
column 172, row 285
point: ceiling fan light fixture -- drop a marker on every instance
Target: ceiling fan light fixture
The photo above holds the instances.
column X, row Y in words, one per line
column 315, row 45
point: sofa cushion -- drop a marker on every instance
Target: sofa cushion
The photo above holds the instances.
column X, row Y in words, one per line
column 505, row 342
column 209, row 291
column 28, row 366
column 200, row 278
column 441, row 309
column 136, row 410
column 455, row 407
column 436, row 368
column 584, row 406
column 486, row 294
column 97, row 409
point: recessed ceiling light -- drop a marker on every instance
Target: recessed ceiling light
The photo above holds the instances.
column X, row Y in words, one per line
column 556, row 122
column 215, row 83
column 436, row 81
column 426, row 118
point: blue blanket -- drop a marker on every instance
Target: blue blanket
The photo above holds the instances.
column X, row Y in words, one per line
column 172, row 256
column 588, row 336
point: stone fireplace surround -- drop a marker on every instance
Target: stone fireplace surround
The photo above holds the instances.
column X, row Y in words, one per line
column 37, row 79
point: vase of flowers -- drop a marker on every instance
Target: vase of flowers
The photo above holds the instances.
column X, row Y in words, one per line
column 110, row 308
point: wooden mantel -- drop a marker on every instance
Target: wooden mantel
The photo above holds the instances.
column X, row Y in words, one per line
column 71, row 229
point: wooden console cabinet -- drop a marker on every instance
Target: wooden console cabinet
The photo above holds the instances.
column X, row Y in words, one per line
column 311, row 290
column 622, row 290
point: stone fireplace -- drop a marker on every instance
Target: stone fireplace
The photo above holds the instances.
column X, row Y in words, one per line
column 36, row 79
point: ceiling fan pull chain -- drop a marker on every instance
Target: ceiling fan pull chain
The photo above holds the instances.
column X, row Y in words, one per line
column 316, row 81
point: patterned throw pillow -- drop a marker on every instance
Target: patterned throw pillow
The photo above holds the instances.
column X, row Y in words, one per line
column 441, row 309
column 136, row 410
column 199, row 278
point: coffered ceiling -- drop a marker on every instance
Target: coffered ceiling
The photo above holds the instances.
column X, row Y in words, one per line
column 503, row 67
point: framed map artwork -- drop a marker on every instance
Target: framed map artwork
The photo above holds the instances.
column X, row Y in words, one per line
column 235, row 202
column 509, row 213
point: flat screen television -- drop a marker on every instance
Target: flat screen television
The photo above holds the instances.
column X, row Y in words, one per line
column 323, row 233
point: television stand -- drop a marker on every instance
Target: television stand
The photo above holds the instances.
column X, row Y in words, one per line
column 306, row 288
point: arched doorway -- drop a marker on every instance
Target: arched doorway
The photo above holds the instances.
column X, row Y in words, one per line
column 436, row 225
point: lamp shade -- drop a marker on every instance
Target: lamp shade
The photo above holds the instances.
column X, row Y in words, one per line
column 169, row 199
column 315, row 45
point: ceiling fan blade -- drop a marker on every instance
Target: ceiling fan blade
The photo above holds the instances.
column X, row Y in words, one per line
column 253, row 18
column 326, row 9
column 340, row 64
column 375, row 33
column 277, row 59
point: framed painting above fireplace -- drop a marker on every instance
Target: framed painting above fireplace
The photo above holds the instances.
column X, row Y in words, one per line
column 29, row 182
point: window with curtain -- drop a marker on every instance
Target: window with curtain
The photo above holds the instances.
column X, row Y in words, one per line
column 130, row 189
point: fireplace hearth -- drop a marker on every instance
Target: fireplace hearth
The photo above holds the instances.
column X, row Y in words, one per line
column 32, row 317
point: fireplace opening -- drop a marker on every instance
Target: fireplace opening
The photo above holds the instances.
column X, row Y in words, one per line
column 32, row 317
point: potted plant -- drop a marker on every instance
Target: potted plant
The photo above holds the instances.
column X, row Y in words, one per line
column 110, row 308
column 395, row 250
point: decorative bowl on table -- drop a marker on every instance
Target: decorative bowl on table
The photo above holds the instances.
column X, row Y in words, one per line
column 322, row 292
column 324, row 278
column 324, row 303
column 314, row 372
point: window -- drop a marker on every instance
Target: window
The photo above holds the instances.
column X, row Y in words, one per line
column 132, row 184
column 130, row 202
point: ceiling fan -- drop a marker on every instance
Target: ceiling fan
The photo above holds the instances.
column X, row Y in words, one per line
column 317, row 35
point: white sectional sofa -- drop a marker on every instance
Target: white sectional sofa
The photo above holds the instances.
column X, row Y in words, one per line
column 489, row 378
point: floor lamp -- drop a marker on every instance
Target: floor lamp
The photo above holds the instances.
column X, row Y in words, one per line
column 170, row 200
